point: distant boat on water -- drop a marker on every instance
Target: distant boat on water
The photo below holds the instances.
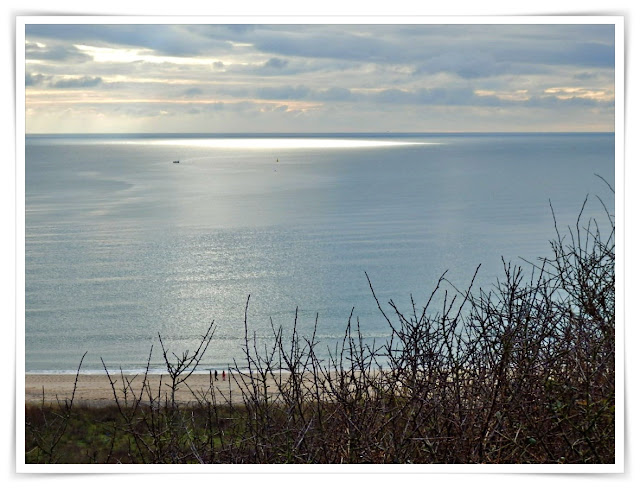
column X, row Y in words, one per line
column 176, row 161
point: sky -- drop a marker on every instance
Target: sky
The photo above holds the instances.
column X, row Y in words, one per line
column 233, row 78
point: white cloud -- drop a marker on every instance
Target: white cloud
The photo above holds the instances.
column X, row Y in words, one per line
column 289, row 77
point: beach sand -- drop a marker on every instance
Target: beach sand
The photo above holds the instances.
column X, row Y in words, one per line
column 96, row 390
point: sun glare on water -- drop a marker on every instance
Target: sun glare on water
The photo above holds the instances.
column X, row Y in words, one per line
column 281, row 143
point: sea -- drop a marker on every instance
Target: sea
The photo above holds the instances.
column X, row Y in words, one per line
column 134, row 237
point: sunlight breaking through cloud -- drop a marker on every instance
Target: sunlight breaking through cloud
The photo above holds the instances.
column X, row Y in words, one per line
column 291, row 78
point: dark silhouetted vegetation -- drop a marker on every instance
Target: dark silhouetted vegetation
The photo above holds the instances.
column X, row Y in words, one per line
column 522, row 372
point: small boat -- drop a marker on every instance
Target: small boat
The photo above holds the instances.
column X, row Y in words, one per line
column 177, row 161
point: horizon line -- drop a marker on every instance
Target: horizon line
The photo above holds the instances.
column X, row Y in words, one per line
column 310, row 133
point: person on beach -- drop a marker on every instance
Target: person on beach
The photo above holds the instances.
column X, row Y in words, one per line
column 223, row 376
column 215, row 376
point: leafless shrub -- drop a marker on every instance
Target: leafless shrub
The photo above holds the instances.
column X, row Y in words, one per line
column 521, row 372
column 46, row 425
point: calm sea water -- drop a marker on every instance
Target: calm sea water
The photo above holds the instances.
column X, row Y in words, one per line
column 123, row 244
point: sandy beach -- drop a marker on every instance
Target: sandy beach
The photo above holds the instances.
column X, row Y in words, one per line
column 96, row 390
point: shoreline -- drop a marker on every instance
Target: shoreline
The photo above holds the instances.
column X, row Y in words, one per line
column 96, row 390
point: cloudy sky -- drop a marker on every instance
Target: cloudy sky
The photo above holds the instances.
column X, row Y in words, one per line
column 318, row 78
